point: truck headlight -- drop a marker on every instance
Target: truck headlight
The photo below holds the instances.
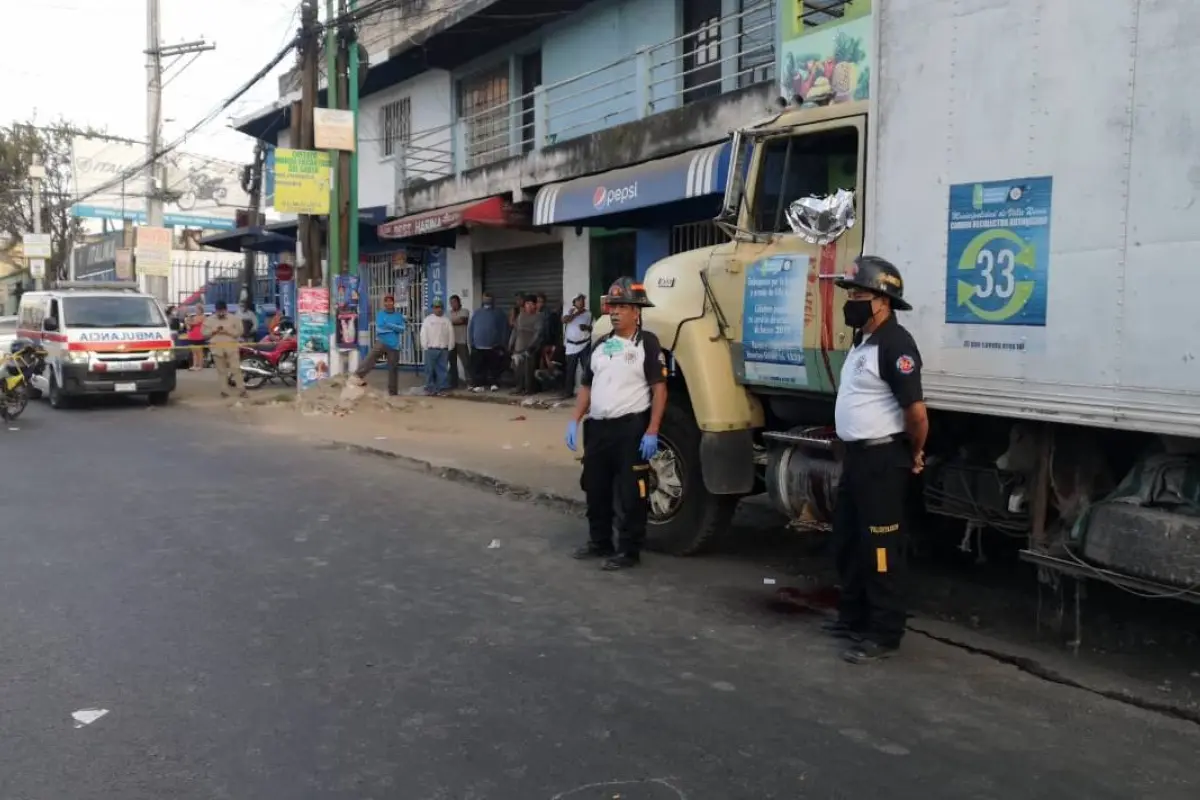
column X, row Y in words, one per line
column 78, row 357
column 163, row 356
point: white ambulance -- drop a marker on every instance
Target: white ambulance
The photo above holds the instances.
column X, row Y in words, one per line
column 99, row 338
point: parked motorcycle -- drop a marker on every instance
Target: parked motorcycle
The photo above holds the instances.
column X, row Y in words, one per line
column 271, row 360
column 24, row 360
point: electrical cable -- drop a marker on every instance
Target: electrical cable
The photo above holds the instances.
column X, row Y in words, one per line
column 134, row 171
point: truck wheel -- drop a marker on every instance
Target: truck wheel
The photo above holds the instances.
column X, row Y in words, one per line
column 159, row 398
column 684, row 516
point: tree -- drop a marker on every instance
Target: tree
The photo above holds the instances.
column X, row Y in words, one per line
column 18, row 145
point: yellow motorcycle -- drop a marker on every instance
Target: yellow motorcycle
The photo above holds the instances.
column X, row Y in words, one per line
column 23, row 360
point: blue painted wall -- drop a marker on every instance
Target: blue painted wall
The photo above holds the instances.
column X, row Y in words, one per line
column 592, row 40
column 652, row 245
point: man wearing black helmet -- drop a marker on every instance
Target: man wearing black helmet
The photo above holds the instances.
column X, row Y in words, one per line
column 624, row 394
column 882, row 424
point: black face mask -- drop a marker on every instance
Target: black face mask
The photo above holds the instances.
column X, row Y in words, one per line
column 857, row 313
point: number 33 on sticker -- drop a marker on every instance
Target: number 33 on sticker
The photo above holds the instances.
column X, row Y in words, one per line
column 998, row 252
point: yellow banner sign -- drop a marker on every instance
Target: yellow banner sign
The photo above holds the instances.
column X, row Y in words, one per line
column 302, row 181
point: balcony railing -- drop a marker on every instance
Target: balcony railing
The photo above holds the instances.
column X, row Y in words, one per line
column 654, row 79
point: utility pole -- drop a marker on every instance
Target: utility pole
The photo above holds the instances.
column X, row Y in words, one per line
column 36, row 173
column 334, row 62
column 309, row 233
column 156, row 173
column 252, row 183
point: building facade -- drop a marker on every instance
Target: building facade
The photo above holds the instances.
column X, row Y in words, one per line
column 553, row 152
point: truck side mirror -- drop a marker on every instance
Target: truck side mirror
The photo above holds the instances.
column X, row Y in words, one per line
column 50, row 324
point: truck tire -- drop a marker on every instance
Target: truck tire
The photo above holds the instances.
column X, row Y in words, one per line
column 55, row 396
column 688, row 523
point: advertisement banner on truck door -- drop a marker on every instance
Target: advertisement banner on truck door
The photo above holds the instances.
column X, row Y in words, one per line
column 998, row 260
column 773, row 321
column 825, row 48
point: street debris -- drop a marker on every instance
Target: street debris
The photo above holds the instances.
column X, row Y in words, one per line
column 521, row 418
column 769, row 581
column 494, row 545
column 338, row 397
column 86, row 716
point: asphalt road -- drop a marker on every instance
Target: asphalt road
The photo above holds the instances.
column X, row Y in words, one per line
column 268, row 621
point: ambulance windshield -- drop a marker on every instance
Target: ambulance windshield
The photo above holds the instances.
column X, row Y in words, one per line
column 99, row 311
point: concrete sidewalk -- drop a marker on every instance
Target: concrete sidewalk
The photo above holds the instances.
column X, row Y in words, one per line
column 515, row 448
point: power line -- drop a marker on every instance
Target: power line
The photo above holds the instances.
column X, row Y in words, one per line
column 135, row 171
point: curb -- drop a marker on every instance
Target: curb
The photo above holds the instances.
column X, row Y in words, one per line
column 563, row 503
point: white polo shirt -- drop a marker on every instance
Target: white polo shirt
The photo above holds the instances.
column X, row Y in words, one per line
column 621, row 371
column 575, row 338
column 881, row 378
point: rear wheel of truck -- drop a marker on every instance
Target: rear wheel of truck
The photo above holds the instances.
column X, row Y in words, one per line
column 684, row 516
column 159, row 398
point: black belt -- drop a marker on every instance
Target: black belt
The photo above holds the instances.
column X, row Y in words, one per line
column 862, row 444
column 585, row 341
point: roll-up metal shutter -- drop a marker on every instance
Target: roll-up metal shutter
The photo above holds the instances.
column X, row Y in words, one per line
column 528, row 270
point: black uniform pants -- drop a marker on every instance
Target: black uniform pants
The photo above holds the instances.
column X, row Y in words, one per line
column 612, row 464
column 572, row 366
column 869, row 528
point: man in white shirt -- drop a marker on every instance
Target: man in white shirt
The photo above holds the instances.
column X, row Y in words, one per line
column 882, row 425
column 437, row 339
column 577, row 337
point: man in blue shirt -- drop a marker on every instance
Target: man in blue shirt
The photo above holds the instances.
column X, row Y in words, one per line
column 487, row 333
column 389, row 327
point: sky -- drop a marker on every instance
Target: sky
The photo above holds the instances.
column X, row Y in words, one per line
column 84, row 60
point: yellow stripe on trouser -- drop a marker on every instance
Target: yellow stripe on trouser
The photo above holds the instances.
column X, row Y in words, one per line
column 641, row 488
column 881, row 559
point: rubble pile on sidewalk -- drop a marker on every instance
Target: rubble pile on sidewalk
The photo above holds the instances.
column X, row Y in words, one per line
column 338, row 397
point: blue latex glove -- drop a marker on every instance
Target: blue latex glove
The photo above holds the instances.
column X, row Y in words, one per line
column 572, row 435
column 649, row 446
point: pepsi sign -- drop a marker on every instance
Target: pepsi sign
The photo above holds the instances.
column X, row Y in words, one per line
column 604, row 198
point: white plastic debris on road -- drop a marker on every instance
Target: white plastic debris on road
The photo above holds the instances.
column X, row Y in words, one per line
column 494, row 545
column 86, row 716
column 769, row 581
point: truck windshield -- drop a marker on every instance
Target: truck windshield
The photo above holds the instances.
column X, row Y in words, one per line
column 799, row 166
column 132, row 311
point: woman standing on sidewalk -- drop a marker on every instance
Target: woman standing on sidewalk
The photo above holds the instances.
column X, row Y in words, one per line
column 195, row 336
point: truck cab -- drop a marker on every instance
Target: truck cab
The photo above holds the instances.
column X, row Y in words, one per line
column 755, row 338
column 100, row 339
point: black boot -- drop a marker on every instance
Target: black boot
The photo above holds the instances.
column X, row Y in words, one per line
column 592, row 550
column 621, row 561
column 842, row 630
column 868, row 652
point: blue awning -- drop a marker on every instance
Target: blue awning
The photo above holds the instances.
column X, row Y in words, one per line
column 696, row 173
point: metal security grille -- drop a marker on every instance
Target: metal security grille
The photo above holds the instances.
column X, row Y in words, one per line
column 396, row 122
column 483, row 108
column 390, row 273
column 527, row 270
column 694, row 235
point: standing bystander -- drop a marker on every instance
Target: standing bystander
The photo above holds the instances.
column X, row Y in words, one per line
column 459, row 317
column 437, row 339
column 577, row 336
column 488, row 333
column 528, row 336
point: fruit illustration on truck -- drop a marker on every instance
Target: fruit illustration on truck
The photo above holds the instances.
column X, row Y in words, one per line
column 1049, row 239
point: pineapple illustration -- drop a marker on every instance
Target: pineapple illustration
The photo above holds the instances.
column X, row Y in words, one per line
column 845, row 79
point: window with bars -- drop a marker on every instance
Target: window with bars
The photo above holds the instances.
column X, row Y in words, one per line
column 756, row 42
column 396, row 122
column 483, row 110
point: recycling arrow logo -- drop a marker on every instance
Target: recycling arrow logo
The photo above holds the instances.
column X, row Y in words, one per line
column 994, row 255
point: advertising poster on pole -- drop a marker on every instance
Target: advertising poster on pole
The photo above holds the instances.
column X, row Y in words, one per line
column 348, row 301
column 314, row 327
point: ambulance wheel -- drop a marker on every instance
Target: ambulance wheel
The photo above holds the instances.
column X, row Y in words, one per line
column 685, row 517
column 55, row 395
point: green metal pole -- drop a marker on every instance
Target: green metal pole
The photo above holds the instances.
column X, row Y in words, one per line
column 331, row 101
column 352, row 104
